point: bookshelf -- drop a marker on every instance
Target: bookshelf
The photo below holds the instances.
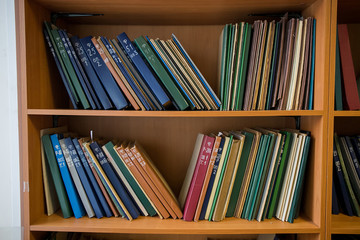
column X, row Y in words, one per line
column 341, row 122
column 168, row 136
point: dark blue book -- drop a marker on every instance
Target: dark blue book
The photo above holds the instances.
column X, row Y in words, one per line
column 115, row 181
column 356, row 145
column 63, row 37
column 335, row 205
column 341, row 181
column 64, row 77
column 89, row 70
column 144, row 70
column 107, row 80
column 71, row 191
column 83, row 178
column 94, row 98
column 99, row 195
column 120, row 65
column 212, row 179
column 354, row 158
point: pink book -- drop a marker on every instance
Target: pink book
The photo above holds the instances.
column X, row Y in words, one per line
column 197, row 180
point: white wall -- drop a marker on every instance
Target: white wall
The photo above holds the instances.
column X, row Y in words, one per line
column 9, row 156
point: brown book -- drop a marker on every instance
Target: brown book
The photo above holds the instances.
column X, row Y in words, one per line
column 280, row 62
column 248, row 172
column 98, row 180
column 266, row 70
column 114, row 74
column 305, row 75
column 207, row 178
column 160, row 209
column 251, row 71
column 259, row 66
column 156, row 177
column 149, row 181
column 286, row 73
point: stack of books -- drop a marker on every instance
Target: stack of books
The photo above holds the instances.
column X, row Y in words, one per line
column 144, row 74
column 250, row 174
column 268, row 65
column 347, row 89
column 346, row 176
column 103, row 179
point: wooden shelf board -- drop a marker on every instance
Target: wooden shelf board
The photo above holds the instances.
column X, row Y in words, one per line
column 343, row 224
column 347, row 113
column 154, row 225
column 124, row 113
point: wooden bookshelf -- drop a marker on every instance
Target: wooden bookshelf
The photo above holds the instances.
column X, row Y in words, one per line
column 168, row 136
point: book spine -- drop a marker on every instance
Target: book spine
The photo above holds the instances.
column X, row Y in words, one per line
column 353, row 155
column 73, row 195
column 145, row 72
column 104, row 74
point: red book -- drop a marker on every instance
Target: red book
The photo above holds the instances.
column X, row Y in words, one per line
column 197, row 180
column 347, row 66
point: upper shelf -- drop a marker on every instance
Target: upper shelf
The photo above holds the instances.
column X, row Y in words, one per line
column 164, row 12
column 123, row 113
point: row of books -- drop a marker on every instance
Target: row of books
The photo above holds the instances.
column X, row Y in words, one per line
column 346, row 175
column 103, row 179
column 268, row 65
column 347, row 88
column 144, row 74
column 249, row 174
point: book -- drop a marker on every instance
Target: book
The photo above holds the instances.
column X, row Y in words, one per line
column 198, row 178
column 312, row 72
column 353, row 156
column 75, row 202
column 57, row 176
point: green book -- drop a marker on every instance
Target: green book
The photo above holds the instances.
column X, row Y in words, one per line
column 299, row 182
column 249, row 137
column 132, row 182
column 354, row 202
column 228, row 65
column 69, row 68
column 338, row 87
column 55, row 173
column 243, row 67
column 223, row 47
column 160, row 71
column 221, row 178
column 281, row 172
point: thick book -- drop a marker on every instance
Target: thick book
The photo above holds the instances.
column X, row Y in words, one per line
column 198, row 178
column 347, row 69
column 91, row 74
column 162, row 74
column 130, row 178
column 56, row 176
column 144, row 71
column 72, row 193
column 104, row 74
column 68, row 155
column 129, row 207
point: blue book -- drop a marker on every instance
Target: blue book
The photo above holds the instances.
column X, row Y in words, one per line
column 335, row 204
column 88, row 68
column 356, row 145
column 341, row 181
column 117, row 184
column 104, row 207
column 82, row 73
column 64, row 37
column 73, row 195
column 64, row 77
column 353, row 155
column 212, row 179
column 107, row 80
column 83, row 178
column 198, row 73
column 144, row 70
column 311, row 93
column 120, row 65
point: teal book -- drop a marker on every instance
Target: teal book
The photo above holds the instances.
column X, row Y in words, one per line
column 223, row 62
column 220, row 179
column 162, row 74
column 249, row 137
column 229, row 63
column 338, row 87
column 129, row 177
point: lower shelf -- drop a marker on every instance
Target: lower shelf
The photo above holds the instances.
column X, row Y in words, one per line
column 154, row 225
column 343, row 224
